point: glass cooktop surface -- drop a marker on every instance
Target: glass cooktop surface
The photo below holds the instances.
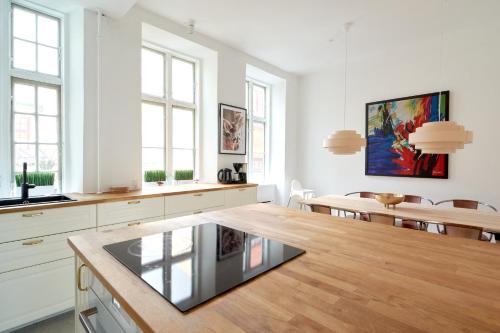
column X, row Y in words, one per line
column 191, row 265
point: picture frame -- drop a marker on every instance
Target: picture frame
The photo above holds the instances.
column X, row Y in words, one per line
column 388, row 125
column 232, row 130
column 230, row 242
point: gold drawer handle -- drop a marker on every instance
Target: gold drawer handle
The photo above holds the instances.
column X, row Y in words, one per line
column 33, row 214
column 198, row 194
column 134, row 223
column 33, row 242
column 79, row 278
column 198, row 212
column 134, row 202
column 242, row 189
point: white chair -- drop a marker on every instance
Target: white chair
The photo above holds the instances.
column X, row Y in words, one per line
column 297, row 192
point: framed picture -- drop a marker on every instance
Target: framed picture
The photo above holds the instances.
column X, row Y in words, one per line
column 230, row 242
column 388, row 125
column 232, row 130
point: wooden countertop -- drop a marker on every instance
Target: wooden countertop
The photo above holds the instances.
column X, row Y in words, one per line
column 147, row 192
column 489, row 221
column 355, row 276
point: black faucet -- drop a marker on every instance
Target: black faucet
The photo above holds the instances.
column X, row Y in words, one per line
column 25, row 187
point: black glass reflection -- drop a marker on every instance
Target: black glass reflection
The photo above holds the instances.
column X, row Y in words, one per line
column 191, row 265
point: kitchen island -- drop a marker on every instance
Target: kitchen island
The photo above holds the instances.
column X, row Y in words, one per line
column 354, row 276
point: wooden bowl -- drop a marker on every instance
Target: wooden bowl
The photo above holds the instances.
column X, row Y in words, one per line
column 389, row 199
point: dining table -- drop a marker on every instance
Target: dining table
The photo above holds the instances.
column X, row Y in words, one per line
column 488, row 221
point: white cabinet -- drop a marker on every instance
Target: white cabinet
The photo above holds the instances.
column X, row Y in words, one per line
column 130, row 210
column 35, row 251
column 240, row 196
column 186, row 203
column 44, row 222
column 129, row 224
column 36, row 292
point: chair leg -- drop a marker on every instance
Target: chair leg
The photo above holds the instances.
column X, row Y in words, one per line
column 288, row 204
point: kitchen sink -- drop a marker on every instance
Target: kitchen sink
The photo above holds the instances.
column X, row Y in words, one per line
column 7, row 202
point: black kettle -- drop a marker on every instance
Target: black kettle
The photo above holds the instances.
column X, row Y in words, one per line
column 225, row 176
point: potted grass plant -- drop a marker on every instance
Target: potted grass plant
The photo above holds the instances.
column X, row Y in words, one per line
column 44, row 182
column 183, row 176
column 155, row 176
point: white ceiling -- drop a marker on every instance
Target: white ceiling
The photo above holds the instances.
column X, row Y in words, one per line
column 294, row 34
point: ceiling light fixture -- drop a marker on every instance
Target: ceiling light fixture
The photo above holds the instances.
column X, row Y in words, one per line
column 441, row 137
column 344, row 142
column 190, row 27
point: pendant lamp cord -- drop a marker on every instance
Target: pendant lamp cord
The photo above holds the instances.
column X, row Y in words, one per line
column 345, row 72
column 441, row 51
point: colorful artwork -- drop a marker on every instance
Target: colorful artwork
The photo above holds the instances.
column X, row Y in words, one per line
column 232, row 130
column 388, row 125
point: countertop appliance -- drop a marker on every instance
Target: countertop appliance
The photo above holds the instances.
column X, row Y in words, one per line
column 192, row 265
column 225, row 176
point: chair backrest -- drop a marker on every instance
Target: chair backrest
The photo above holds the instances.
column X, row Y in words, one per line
column 382, row 218
column 469, row 204
column 463, row 231
column 363, row 194
column 413, row 198
column 296, row 185
column 321, row 209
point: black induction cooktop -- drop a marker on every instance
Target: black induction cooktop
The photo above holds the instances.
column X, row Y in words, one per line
column 191, row 265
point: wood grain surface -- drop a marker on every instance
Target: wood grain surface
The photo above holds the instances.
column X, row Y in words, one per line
column 355, row 277
column 147, row 192
column 489, row 221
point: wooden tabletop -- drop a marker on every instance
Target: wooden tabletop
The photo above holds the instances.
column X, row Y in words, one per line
column 489, row 221
column 354, row 276
column 146, row 192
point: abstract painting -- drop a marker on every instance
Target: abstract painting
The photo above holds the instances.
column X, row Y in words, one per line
column 232, row 130
column 388, row 125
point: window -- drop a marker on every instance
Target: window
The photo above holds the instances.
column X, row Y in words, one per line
column 258, row 114
column 168, row 111
column 36, row 92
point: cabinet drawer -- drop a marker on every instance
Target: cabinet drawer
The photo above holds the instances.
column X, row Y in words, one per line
column 111, row 306
column 192, row 202
column 36, row 292
column 129, row 224
column 131, row 210
column 44, row 222
column 34, row 251
column 195, row 212
column 241, row 196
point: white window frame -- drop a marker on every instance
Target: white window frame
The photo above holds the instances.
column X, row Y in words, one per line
column 169, row 103
column 266, row 120
column 37, row 79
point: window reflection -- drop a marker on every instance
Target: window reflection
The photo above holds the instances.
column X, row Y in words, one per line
column 181, row 282
column 182, row 241
column 154, row 278
column 152, row 249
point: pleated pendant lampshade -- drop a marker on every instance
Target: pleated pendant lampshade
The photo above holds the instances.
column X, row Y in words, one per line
column 344, row 142
column 442, row 137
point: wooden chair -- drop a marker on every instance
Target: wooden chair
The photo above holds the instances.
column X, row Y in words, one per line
column 362, row 194
column 468, row 204
column 381, row 218
column 321, row 209
column 462, row 231
column 413, row 224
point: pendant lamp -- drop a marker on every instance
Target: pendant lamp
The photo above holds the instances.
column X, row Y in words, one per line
column 441, row 137
column 344, row 142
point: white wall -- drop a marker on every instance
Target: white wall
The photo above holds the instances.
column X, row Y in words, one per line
column 120, row 115
column 471, row 73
